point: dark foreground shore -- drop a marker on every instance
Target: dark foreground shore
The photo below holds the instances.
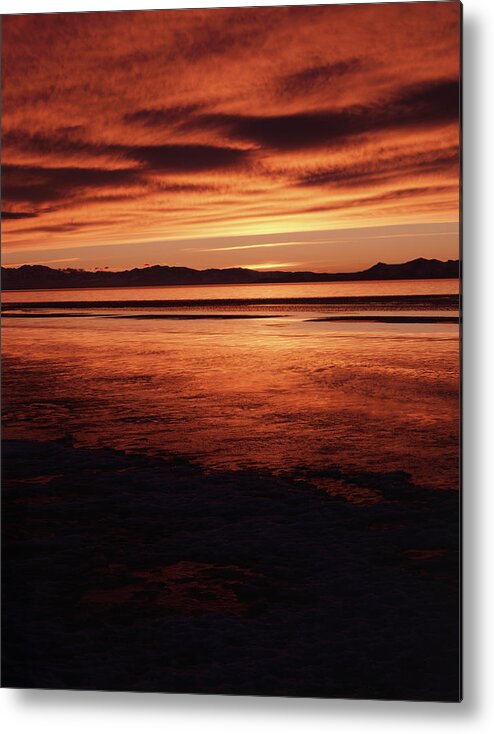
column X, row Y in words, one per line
column 132, row 573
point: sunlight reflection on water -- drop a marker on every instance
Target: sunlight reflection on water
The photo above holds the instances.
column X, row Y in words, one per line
column 272, row 290
column 278, row 394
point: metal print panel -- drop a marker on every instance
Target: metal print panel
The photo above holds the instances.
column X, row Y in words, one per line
column 231, row 351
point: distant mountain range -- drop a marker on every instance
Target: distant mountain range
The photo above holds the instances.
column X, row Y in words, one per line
column 28, row 277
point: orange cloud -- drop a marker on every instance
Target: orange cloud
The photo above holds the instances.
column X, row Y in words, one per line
column 136, row 130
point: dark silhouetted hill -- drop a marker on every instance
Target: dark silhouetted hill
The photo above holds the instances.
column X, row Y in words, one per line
column 28, row 277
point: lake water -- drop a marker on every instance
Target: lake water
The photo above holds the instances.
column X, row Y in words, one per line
column 287, row 392
column 240, row 292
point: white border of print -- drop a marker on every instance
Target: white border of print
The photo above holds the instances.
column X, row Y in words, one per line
column 54, row 712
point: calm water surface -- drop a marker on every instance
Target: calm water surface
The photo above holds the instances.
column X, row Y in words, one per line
column 281, row 392
column 271, row 290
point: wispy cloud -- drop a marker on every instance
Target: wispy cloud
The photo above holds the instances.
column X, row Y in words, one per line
column 252, row 247
column 44, row 262
column 228, row 122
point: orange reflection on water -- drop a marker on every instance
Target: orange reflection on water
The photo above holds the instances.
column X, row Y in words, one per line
column 444, row 286
column 280, row 394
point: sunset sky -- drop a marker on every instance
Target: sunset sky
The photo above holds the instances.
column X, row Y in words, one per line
column 317, row 137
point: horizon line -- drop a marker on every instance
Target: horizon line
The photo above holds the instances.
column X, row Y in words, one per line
column 17, row 266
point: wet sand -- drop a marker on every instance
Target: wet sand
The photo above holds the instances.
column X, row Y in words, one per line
column 263, row 503
column 130, row 572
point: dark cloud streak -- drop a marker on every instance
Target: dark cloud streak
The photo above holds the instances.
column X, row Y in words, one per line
column 161, row 117
column 415, row 106
column 187, row 158
column 37, row 184
column 18, row 215
column 385, row 198
column 313, row 77
column 374, row 172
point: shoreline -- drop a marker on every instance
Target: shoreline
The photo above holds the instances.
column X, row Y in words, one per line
column 199, row 576
column 229, row 317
